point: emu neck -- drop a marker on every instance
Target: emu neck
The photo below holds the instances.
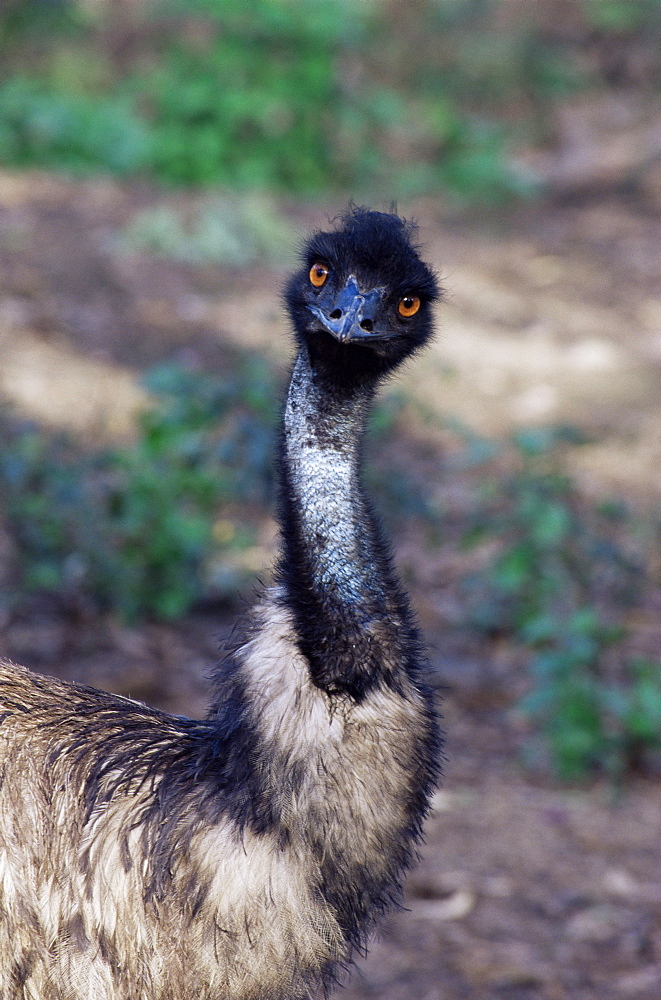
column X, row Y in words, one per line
column 346, row 604
column 323, row 433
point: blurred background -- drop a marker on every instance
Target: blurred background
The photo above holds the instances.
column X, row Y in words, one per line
column 159, row 164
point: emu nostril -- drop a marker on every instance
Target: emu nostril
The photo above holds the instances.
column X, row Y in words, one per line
column 336, row 314
column 367, row 325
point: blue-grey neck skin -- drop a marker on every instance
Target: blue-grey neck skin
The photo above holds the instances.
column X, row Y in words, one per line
column 322, row 449
column 351, row 616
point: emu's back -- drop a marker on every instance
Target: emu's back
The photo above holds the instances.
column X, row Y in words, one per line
column 82, row 912
column 120, row 877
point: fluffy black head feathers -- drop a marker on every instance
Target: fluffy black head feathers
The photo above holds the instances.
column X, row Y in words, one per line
column 361, row 302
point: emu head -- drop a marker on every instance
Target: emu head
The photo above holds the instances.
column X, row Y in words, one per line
column 361, row 302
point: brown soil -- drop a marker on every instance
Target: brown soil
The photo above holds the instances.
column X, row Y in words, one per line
column 526, row 890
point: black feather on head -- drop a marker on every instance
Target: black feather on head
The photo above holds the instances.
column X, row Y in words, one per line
column 361, row 303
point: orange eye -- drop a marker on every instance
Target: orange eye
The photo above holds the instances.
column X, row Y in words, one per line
column 318, row 275
column 408, row 306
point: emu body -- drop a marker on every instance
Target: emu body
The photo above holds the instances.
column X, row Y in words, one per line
column 245, row 856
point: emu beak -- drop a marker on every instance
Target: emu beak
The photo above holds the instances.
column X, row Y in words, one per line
column 350, row 315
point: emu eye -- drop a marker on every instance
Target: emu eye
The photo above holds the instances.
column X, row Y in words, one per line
column 408, row 306
column 318, row 275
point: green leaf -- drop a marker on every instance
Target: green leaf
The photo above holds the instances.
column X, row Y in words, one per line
column 515, row 567
column 552, row 524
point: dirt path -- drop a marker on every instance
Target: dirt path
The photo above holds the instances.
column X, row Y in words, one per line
column 528, row 893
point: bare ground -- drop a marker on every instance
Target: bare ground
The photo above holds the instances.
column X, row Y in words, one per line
column 525, row 891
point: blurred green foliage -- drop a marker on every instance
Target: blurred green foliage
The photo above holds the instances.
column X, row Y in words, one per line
column 256, row 101
column 132, row 528
column 555, row 554
column 163, row 494
column 41, row 127
column 618, row 16
column 558, row 571
column 398, row 97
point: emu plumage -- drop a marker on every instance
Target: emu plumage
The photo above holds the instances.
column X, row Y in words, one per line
column 246, row 856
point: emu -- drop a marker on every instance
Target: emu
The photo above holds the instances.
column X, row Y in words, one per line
column 246, row 856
